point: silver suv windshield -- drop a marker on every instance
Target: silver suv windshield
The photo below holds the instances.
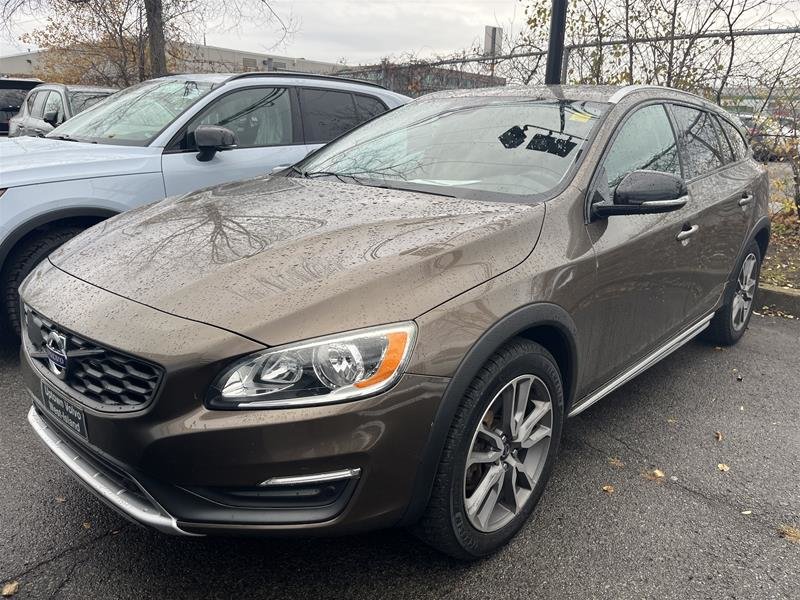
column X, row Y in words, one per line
column 136, row 115
column 469, row 147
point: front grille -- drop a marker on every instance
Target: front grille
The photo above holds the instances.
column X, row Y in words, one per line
column 103, row 378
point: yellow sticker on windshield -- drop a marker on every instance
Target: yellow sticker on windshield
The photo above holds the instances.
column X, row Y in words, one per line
column 580, row 117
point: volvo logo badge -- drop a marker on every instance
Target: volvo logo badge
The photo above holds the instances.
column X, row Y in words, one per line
column 56, row 349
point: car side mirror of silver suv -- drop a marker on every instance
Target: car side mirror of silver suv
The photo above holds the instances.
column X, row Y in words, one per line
column 211, row 139
column 643, row 193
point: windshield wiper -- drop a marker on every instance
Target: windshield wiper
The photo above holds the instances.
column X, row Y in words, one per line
column 63, row 137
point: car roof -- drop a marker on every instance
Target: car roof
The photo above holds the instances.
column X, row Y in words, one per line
column 7, row 83
column 75, row 88
column 90, row 88
column 611, row 94
column 221, row 78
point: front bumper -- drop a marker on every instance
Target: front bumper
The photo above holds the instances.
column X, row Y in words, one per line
column 205, row 472
column 112, row 490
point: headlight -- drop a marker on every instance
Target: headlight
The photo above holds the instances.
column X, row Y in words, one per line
column 320, row 371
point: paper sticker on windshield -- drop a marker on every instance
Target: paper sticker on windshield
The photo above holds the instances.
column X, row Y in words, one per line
column 580, row 117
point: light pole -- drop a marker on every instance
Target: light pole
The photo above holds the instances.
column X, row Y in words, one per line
column 555, row 49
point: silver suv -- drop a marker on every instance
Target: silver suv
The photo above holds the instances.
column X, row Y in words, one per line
column 160, row 138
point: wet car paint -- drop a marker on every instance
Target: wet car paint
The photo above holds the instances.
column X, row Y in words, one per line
column 194, row 282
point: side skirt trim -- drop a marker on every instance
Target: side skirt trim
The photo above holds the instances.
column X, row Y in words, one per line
column 642, row 365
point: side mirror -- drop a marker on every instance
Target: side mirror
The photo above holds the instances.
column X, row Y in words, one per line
column 211, row 139
column 645, row 193
column 51, row 118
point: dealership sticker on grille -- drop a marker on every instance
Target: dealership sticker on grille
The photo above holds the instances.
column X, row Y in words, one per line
column 71, row 416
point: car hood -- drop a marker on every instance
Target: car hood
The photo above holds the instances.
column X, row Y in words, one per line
column 281, row 259
column 31, row 160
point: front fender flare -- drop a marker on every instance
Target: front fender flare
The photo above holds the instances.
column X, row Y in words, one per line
column 511, row 325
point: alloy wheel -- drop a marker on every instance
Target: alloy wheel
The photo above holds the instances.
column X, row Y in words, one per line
column 508, row 452
column 745, row 291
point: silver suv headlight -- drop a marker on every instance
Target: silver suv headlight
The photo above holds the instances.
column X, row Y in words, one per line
column 324, row 370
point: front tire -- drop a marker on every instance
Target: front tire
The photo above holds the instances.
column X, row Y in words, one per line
column 731, row 320
column 20, row 262
column 498, row 455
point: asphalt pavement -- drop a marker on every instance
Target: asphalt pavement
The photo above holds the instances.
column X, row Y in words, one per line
column 696, row 532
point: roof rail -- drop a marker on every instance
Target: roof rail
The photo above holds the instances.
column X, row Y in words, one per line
column 302, row 75
column 630, row 89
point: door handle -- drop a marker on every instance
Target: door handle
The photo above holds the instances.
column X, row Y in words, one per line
column 686, row 233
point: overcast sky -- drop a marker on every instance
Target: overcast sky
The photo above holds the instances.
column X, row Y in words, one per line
column 360, row 31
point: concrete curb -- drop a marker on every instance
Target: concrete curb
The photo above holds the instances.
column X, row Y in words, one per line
column 784, row 299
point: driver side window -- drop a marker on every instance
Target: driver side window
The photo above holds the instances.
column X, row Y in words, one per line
column 258, row 116
column 645, row 142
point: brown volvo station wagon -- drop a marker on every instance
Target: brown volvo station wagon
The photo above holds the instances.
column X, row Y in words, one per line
column 394, row 331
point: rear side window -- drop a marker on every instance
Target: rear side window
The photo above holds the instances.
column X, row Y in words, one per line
column 327, row 114
column 645, row 142
column 80, row 101
column 369, row 107
column 735, row 138
column 727, row 151
column 698, row 134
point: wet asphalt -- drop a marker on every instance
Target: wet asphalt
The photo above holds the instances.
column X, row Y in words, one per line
column 682, row 536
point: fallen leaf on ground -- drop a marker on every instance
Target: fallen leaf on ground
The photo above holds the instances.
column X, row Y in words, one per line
column 718, row 348
column 723, row 467
column 608, row 489
column 615, row 462
column 790, row 533
column 60, row 499
column 10, row 588
column 747, row 512
column 718, row 436
column 87, row 525
column 672, row 420
column 654, row 475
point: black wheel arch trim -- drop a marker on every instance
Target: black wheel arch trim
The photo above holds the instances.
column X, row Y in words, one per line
column 46, row 219
column 508, row 327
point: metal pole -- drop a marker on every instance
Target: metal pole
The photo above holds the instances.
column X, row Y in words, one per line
column 555, row 49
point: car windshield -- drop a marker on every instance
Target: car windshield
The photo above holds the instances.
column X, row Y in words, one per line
column 136, row 115
column 469, row 147
column 80, row 101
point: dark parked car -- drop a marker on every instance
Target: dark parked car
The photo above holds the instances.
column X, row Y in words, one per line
column 49, row 105
column 12, row 96
column 394, row 332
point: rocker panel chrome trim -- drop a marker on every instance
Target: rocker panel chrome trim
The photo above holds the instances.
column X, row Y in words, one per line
column 642, row 365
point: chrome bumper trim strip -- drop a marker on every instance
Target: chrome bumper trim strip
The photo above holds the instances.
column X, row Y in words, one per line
column 312, row 479
column 101, row 483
